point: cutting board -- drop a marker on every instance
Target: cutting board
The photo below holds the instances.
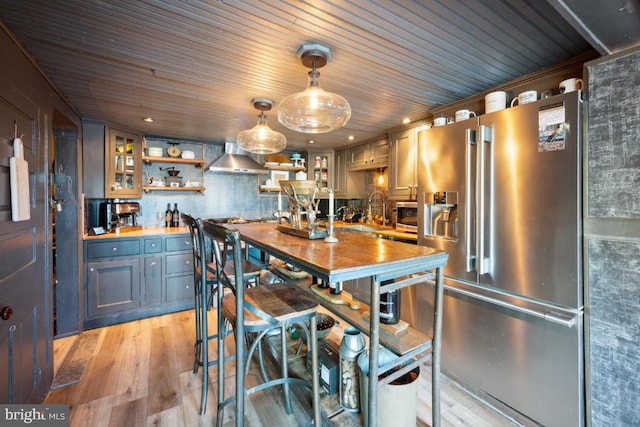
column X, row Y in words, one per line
column 19, row 177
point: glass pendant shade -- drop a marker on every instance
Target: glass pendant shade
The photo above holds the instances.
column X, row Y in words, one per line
column 261, row 139
column 314, row 110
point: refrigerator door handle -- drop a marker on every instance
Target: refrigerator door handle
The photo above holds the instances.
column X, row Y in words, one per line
column 553, row 316
column 470, row 254
column 482, row 263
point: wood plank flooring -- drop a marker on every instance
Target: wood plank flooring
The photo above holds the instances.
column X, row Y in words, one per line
column 141, row 374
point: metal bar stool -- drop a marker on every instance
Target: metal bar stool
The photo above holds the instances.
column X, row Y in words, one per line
column 258, row 310
column 205, row 281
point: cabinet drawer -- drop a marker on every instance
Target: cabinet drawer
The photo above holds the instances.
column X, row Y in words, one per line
column 180, row 263
column 181, row 243
column 180, row 288
column 152, row 246
column 113, row 248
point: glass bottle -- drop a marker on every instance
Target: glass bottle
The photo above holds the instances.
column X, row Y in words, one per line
column 168, row 216
column 389, row 305
column 176, row 216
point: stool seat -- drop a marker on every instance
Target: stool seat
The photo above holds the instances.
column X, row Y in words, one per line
column 279, row 300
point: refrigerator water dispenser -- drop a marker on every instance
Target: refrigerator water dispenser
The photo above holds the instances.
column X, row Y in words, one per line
column 441, row 215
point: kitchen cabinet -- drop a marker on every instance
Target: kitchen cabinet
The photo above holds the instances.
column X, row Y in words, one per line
column 178, row 274
column 123, row 166
column 113, row 277
column 403, row 164
column 321, row 168
column 130, row 278
column 111, row 162
column 347, row 184
column 370, row 155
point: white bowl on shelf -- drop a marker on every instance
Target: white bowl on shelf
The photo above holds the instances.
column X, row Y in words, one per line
column 188, row 155
column 271, row 163
column 286, row 164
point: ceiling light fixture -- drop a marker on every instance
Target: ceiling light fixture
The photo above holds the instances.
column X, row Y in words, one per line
column 314, row 110
column 261, row 139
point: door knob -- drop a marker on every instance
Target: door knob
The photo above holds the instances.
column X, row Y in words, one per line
column 6, row 313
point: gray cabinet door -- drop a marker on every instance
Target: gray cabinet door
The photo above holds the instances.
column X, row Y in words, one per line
column 180, row 288
column 152, row 280
column 403, row 176
column 113, row 286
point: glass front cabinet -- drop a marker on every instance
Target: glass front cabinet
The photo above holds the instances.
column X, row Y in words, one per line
column 123, row 164
column 321, row 168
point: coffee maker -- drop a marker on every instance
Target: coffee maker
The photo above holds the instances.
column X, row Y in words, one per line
column 120, row 216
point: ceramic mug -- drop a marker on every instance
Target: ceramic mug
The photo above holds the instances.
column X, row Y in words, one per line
column 464, row 115
column 525, row 98
column 495, row 101
column 439, row 121
column 570, row 85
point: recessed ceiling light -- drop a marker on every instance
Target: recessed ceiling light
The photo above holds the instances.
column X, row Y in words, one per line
column 311, row 141
column 406, row 120
column 351, row 137
column 149, row 119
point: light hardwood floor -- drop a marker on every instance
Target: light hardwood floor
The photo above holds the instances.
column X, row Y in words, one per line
column 141, row 374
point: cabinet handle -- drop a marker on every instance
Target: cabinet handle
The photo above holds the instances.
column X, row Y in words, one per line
column 153, row 245
column 153, row 263
column 187, row 262
column 114, row 249
column 187, row 242
column 91, row 269
column 6, row 313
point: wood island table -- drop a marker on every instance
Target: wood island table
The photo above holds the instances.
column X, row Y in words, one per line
column 357, row 256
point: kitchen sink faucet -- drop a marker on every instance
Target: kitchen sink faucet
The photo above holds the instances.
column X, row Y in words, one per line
column 382, row 204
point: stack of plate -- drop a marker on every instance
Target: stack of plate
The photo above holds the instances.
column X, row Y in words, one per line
column 155, row 151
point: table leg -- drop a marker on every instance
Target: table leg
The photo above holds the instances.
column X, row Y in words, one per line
column 315, row 373
column 437, row 341
column 374, row 341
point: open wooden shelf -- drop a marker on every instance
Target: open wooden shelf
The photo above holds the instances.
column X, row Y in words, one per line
column 167, row 188
column 286, row 168
column 199, row 163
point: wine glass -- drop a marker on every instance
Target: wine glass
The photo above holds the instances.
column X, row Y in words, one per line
column 160, row 218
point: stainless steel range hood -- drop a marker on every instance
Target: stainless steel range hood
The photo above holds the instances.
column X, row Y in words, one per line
column 234, row 160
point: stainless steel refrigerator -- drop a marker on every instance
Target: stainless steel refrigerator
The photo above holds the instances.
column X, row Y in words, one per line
column 501, row 193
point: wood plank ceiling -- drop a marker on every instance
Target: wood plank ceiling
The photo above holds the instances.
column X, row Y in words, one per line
column 195, row 65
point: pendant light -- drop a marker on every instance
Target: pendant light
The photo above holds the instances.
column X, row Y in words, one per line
column 261, row 139
column 314, row 110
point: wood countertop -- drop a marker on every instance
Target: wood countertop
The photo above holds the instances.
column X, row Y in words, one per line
column 347, row 259
column 144, row 231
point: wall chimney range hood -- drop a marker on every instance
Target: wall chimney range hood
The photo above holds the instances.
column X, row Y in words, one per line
column 235, row 160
